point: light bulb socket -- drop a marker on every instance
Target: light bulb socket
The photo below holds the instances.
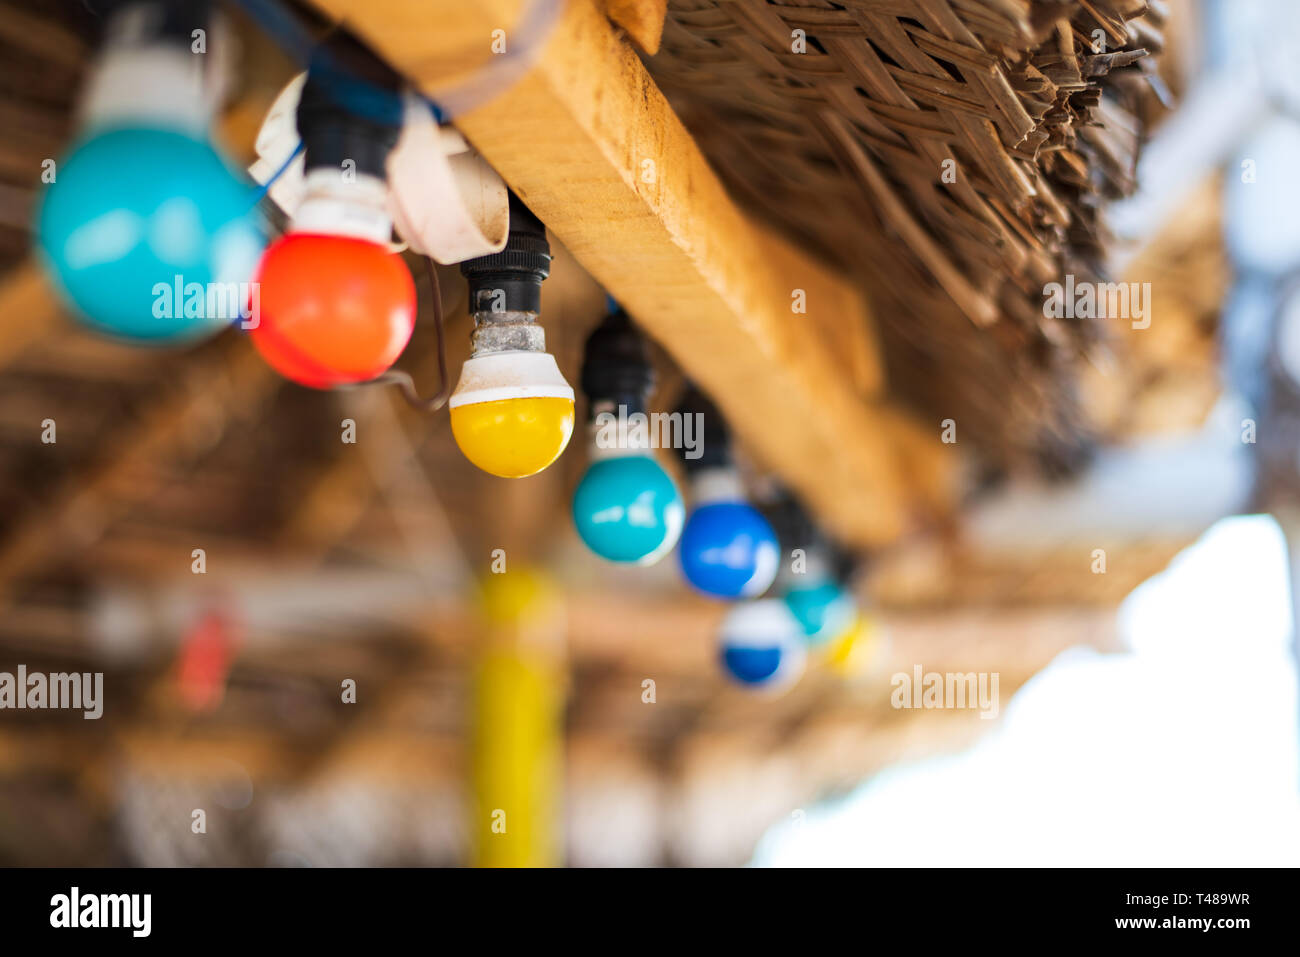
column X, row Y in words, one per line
column 350, row 109
column 511, row 281
column 616, row 369
column 715, row 438
column 146, row 72
column 148, row 22
column 795, row 528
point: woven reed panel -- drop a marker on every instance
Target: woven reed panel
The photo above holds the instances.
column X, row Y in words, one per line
column 845, row 144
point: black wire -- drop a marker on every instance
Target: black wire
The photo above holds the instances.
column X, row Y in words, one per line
column 403, row 380
column 527, row 38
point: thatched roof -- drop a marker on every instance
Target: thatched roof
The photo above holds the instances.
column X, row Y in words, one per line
column 356, row 560
column 954, row 156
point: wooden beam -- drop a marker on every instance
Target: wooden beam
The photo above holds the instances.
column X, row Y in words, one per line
column 42, row 36
column 642, row 19
column 589, row 142
column 27, row 309
column 341, row 493
column 224, row 383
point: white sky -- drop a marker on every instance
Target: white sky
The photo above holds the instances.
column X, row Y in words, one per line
column 1183, row 751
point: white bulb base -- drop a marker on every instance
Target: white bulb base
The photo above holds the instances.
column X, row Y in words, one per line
column 720, row 484
column 156, row 84
column 510, row 375
column 342, row 203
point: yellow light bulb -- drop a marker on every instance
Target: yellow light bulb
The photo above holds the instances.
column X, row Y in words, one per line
column 850, row 653
column 512, row 413
column 513, row 437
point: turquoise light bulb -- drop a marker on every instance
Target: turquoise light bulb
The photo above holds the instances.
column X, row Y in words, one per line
column 822, row 609
column 627, row 509
column 137, row 214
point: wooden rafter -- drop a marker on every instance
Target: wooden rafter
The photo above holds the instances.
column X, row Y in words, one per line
column 220, row 386
column 587, row 139
column 642, row 19
column 27, row 309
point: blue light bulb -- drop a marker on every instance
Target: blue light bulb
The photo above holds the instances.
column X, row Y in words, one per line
column 762, row 645
column 150, row 234
column 627, row 509
column 729, row 550
column 822, row 609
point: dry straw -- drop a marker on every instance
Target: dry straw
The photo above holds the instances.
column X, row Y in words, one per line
column 838, row 121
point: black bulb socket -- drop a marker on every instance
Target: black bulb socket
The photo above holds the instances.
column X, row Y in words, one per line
column 154, row 21
column 511, row 280
column 792, row 524
column 341, row 118
column 616, row 369
column 715, row 450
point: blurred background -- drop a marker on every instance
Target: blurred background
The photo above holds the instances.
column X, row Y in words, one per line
column 358, row 653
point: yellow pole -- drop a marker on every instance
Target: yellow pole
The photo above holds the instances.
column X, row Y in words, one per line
column 517, row 736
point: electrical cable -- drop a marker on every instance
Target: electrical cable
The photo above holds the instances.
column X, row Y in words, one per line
column 485, row 84
column 284, row 168
column 402, row 379
column 527, row 38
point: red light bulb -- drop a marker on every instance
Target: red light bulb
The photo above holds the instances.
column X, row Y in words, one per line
column 334, row 310
column 334, row 306
column 203, row 666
